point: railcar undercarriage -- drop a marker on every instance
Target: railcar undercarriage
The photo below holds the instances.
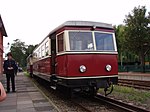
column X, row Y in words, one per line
column 89, row 86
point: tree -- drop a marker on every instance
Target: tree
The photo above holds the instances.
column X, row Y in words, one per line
column 21, row 51
column 136, row 32
column 30, row 49
column 119, row 32
column 18, row 50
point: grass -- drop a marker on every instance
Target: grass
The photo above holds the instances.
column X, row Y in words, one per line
column 133, row 94
column 130, row 94
column 26, row 74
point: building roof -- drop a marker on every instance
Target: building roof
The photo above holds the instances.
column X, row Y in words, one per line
column 82, row 23
column 2, row 27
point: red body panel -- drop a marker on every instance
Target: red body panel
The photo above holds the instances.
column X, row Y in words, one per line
column 61, row 68
column 42, row 66
column 68, row 65
column 31, row 68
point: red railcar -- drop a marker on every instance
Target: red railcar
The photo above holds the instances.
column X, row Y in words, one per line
column 78, row 55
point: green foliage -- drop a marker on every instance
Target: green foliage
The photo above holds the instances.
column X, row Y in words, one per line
column 29, row 49
column 120, row 39
column 132, row 94
column 136, row 31
column 119, row 32
column 133, row 38
column 20, row 51
column 26, row 74
column 123, row 89
column 129, row 94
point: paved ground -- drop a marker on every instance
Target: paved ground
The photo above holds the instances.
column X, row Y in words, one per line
column 27, row 98
column 134, row 76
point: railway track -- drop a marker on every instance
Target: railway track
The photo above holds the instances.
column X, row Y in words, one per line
column 106, row 104
column 120, row 105
column 90, row 104
column 62, row 103
column 77, row 104
column 81, row 106
column 135, row 84
column 96, row 104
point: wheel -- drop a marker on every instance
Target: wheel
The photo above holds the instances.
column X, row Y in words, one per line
column 66, row 91
column 92, row 91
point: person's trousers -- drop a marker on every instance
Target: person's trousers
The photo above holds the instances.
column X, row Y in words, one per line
column 12, row 78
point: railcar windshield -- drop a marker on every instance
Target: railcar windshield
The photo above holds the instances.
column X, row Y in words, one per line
column 81, row 41
column 89, row 41
column 104, row 41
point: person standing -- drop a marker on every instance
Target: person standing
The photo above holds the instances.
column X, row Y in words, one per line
column 10, row 68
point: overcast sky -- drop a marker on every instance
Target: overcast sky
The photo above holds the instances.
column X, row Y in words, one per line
column 31, row 20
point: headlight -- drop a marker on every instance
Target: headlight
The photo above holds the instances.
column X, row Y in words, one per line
column 108, row 68
column 82, row 69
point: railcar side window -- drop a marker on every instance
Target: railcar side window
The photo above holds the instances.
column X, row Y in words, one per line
column 46, row 48
column 81, row 41
column 39, row 53
column 43, row 51
column 104, row 41
column 60, row 42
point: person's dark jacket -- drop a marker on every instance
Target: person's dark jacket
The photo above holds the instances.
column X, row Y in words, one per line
column 8, row 64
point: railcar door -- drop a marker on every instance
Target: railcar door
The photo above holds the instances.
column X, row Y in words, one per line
column 53, row 53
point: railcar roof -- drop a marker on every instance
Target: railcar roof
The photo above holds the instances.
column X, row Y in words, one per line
column 82, row 23
column 79, row 23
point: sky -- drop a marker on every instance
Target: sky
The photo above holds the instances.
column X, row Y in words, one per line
column 31, row 20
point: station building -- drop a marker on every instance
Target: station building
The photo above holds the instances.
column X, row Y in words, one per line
column 2, row 34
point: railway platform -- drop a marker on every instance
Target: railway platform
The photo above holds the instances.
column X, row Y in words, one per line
column 27, row 98
column 134, row 76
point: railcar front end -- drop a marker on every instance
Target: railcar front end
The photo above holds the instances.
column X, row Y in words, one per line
column 79, row 56
column 86, row 59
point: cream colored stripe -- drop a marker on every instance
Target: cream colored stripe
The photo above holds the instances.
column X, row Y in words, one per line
column 94, row 77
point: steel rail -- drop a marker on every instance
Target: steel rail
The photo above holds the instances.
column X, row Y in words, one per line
column 81, row 106
column 135, row 84
column 121, row 105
